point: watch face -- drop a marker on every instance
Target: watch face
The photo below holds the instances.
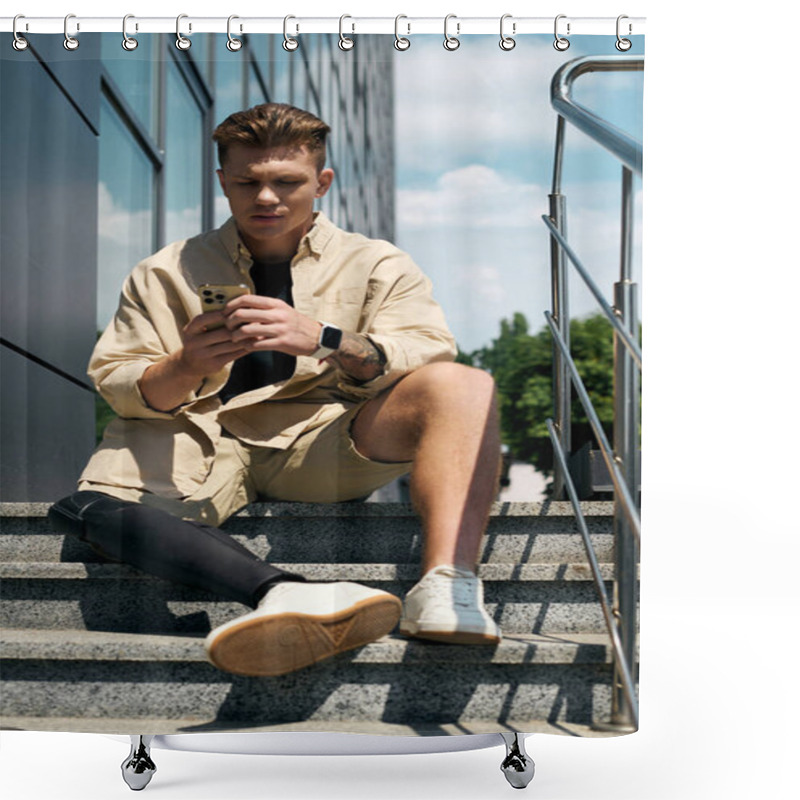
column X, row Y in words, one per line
column 331, row 337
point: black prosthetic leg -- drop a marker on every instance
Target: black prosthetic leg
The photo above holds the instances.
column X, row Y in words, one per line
column 160, row 544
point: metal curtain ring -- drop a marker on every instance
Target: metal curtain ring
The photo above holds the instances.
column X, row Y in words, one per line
column 181, row 42
column 20, row 43
column 70, row 42
column 623, row 44
column 400, row 42
column 507, row 42
column 451, row 42
column 289, row 44
column 560, row 43
column 233, row 44
column 128, row 42
column 345, row 42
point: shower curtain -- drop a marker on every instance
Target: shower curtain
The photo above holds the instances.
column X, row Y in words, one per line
column 444, row 145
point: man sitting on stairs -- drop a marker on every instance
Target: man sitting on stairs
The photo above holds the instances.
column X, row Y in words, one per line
column 328, row 377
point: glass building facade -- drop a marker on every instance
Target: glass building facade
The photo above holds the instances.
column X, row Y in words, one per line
column 132, row 168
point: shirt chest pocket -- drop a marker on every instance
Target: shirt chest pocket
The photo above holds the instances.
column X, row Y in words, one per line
column 342, row 306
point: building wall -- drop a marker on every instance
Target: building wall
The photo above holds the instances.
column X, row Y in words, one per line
column 106, row 156
column 48, row 255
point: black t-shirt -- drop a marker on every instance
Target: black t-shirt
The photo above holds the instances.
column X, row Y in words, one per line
column 267, row 366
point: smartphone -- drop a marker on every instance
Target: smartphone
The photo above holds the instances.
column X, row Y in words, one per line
column 215, row 296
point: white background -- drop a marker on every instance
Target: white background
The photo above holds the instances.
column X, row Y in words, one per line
column 720, row 555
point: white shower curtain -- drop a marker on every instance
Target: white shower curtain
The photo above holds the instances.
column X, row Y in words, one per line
column 448, row 152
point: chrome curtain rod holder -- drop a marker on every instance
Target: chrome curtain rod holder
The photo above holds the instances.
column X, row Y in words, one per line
column 621, row 27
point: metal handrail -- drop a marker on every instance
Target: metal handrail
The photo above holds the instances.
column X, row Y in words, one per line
column 616, row 643
column 617, row 478
column 622, row 461
column 613, row 318
column 616, row 141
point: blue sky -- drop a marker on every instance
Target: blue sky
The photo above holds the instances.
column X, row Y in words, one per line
column 474, row 138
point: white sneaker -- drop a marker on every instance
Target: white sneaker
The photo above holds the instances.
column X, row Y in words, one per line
column 447, row 606
column 297, row 624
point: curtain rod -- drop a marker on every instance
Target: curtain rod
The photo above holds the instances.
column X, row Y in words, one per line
column 403, row 25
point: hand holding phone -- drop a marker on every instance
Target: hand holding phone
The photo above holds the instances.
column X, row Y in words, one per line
column 167, row 383
column 215, row 296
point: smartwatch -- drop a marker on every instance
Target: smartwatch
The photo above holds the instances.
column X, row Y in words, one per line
column 330, row 338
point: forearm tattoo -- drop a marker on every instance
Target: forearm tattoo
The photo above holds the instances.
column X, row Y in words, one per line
column 359, row 357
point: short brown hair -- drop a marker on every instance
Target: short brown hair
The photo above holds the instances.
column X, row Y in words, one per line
column 273, row 125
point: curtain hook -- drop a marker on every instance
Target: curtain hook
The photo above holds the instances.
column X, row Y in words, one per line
column 451, row 42
column 289, row 44
column 345, row 42
column 623, row 44
column 128, row 42
column 181, row 42
column 400, row 42
column 561, row 43
column 233, row 44
column 20, row 43
column 507, row 42
column 70, row 42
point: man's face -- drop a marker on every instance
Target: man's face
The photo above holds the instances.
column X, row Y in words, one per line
column 271, row 193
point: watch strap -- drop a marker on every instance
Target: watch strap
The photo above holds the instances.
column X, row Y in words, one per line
column 331, row 334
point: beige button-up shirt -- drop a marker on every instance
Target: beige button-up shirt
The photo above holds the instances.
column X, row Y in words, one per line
column 362, row 285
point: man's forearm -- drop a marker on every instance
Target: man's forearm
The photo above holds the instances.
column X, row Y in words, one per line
column 166, row 384
column 359, row 358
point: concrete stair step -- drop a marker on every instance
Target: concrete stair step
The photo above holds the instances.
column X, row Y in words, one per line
column 103, row 645
column 534, row 598
column 345, row 533
column 526, row 573
column 125, row 726
column 62, row 674
column 78, row 645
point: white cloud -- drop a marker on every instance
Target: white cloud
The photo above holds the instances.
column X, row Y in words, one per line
column 131, row 231
column 125, row 237
column 183, row 223
column 120, row 225
column 470, row 100
column 490, row 279
column 457, row 106
column 475, row 196
column 484, row 272
column 222, row 209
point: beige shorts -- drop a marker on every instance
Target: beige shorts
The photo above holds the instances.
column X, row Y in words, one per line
column 322, row 466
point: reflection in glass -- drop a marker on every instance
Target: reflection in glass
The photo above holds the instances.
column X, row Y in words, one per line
column 229, row 97
column 304, row 98
column 200, row 52
column 125, row 224
column 134, row 73
column 228, row 80
column 131, row 189
column 281, row 61
column 183, row 173
column 255, row 91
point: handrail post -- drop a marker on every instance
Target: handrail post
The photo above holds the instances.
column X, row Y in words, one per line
column 626, row 449
column 623, row 461
column 562, row 385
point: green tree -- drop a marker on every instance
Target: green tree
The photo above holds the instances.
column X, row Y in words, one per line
column 522, row 365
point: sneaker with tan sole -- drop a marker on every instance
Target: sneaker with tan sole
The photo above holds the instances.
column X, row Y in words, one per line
column 298, row 624
column 447, row 606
